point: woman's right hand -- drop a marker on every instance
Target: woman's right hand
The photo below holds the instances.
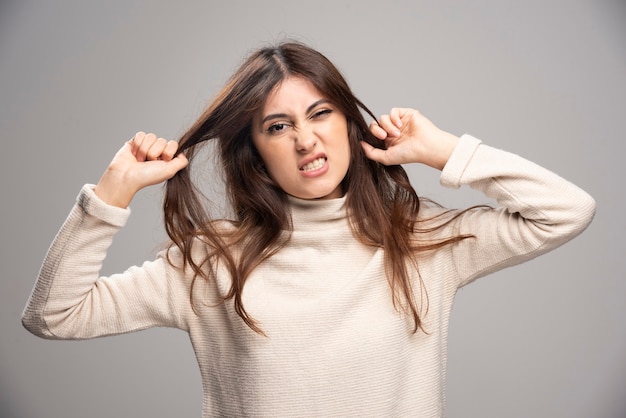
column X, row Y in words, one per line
column 143, row 161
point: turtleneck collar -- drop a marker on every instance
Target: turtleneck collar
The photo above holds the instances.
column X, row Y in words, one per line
column 318, row 214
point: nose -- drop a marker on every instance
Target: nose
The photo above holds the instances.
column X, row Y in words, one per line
column 305, row 139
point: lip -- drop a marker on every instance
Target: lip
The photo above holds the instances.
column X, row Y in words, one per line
column 317, row 172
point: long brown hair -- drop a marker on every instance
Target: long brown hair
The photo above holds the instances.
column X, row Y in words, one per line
column 382, row 204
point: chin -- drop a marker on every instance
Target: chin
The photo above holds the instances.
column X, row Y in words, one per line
column 328, row 191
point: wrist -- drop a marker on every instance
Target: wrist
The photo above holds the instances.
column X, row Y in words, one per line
column 440, row 151
column 114, row 189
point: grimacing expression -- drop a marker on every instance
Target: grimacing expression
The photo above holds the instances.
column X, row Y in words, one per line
column 303, row 140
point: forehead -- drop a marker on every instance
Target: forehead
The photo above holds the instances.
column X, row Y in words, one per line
column 292, row 94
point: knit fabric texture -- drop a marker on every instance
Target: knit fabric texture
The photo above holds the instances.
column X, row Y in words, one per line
column 335, row 345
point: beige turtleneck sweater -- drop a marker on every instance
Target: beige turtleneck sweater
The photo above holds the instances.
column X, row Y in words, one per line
column 335, row 345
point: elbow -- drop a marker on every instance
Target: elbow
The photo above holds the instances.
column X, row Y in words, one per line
column 59, row 325
column 35, row 323
column 567, row 220
column 35, row 326
column 579, row 216
column 585, row 212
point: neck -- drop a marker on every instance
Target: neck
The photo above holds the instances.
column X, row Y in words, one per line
column 318, row 214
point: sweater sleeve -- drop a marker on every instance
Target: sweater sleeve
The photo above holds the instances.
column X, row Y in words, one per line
column 537, row 210
column 71, row 301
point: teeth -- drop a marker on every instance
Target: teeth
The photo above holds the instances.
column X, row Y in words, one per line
column 314, row 165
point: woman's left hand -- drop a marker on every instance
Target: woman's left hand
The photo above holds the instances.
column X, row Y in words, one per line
column 410, row 138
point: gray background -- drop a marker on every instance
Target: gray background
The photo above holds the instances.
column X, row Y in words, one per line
column 544, row 79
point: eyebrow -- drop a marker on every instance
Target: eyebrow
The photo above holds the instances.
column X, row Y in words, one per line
column 284, row 115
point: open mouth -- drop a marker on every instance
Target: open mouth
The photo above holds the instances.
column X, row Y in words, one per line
column 314, row 165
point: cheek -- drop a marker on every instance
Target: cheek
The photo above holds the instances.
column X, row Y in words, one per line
column 346, row 149
column 275, row 160
column 263, row 150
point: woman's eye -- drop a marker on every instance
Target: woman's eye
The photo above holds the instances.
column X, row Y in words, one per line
column 277, row 127
column 321, row 113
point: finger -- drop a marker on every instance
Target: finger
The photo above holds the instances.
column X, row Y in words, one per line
column 386, row 123
column 396, row 116
column 172, row 167
column 375, row 154
column 156, row 149
column 144, row 146
column 136, row 141
column 377, row 131
column 169, row 151
column 178, row 163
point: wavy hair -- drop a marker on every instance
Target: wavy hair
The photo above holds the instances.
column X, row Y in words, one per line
column 382, row 205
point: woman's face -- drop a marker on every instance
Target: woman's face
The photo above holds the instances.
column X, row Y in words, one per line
column 303, row 141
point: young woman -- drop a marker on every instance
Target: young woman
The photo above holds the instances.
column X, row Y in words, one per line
column 330, row 290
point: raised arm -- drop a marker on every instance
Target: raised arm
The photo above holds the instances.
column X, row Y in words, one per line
column 70, row 299
column 537, row 209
